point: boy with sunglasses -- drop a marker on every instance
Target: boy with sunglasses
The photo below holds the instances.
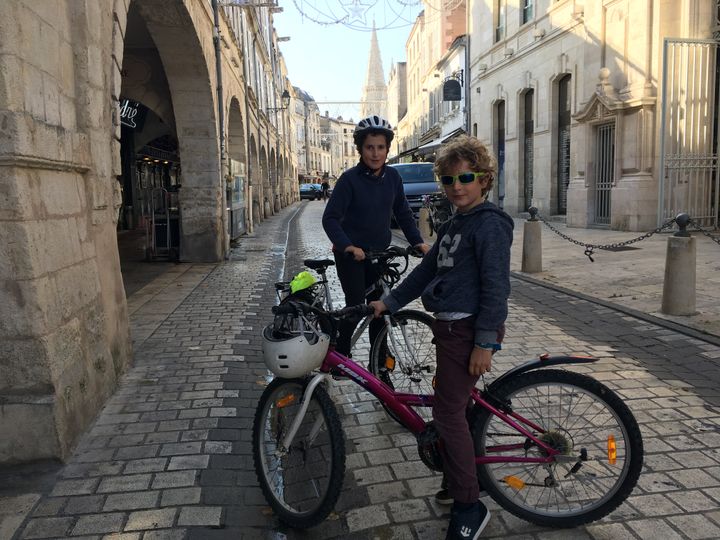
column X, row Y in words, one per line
column 465, row 281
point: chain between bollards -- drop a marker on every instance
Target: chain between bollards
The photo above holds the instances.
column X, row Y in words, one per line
column 590, row 248
column 715, row 239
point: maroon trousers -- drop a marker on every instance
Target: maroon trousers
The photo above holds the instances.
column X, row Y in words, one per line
column 454, row 341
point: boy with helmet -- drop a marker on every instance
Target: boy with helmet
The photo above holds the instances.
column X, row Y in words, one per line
column 465, row 281
column 357, row 218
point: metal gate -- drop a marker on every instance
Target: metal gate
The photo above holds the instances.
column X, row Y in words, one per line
column 689, row 179
column 563, row 143
column 529, row 129
column 604, row 171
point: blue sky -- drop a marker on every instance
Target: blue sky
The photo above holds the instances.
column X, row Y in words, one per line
column 329, row 61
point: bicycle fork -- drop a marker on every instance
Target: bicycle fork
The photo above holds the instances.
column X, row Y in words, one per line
column 307, row 396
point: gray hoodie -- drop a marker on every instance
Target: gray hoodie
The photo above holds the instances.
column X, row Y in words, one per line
column 466, row 271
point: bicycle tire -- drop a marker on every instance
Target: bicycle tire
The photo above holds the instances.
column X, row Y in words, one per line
column 303, row 484
column 598, row 486
column 415, row 360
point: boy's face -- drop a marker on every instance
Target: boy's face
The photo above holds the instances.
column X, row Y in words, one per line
column 465, row 196
column 374, row 151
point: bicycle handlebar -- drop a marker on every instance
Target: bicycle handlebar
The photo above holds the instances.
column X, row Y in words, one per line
column 297, row 308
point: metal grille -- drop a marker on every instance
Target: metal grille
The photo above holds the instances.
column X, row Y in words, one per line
column 528, row 150
column 689, row 179
column 604, row 172
column 563, row 144
column 563, row 177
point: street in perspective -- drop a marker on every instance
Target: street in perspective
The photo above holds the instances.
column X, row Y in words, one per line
column 188, row 189
column 170, row 454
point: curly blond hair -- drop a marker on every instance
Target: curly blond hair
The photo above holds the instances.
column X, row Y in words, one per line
column 469, row 149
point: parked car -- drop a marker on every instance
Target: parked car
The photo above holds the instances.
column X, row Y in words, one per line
column 311, row 192
column 418, row 180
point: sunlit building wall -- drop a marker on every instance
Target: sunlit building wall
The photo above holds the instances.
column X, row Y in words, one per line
column 568, row 93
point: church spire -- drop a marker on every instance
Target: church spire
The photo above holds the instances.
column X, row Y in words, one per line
column 374, row 94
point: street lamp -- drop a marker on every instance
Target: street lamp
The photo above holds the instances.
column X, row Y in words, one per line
column 285, row 99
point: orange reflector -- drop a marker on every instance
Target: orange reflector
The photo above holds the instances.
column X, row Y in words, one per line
column 389, row 363
column 284, row 402
column 433, row 383
column 514, row 482
column 612, row 450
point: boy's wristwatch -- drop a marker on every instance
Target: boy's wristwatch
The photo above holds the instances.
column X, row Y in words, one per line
column 489, row 346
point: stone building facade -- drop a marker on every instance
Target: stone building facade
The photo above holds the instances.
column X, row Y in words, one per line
column 570, row 95
column 75, row 75
column 434, row 54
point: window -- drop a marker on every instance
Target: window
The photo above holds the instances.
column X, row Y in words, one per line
column 563, row 143
column 528, row 11
column 500, row 20
column 528, row 148
column 500, row 149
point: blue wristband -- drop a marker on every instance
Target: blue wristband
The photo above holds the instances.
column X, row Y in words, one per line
column 489, row 346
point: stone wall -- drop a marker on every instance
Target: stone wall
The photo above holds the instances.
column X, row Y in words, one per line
column 64, row 336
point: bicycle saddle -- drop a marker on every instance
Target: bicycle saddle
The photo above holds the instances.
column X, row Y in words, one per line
column 317, row 264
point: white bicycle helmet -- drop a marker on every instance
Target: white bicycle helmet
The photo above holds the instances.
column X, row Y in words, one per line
column 372, row 124
column 293, row 355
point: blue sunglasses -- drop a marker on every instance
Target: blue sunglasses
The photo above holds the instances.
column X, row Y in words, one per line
column 464, row 178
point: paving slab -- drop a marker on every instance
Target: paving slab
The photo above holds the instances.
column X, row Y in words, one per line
column 170, row 455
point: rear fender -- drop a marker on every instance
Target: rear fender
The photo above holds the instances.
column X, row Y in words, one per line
column 545, row 360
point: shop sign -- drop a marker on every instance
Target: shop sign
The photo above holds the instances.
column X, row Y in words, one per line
column 132, row 113
column 452, row 90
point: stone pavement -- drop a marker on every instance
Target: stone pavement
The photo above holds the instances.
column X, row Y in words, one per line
column 170, row 456
column 631, row 278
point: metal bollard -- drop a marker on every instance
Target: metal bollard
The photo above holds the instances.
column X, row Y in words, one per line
column 680, row 271
column 424, row 224
column 532, row 244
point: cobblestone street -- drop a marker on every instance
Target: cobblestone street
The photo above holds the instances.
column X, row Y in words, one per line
column 170, row 455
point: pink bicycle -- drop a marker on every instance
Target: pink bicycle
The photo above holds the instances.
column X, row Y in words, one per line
column 553, row 447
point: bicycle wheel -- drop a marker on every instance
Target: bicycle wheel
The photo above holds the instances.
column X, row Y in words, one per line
column 404, row 358
column 442, row 215
column 301, row 484
column 583, row 419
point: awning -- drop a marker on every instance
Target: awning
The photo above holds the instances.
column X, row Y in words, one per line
column 432, row 146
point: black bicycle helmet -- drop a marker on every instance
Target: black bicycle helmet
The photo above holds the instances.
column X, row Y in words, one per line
column 372, row 125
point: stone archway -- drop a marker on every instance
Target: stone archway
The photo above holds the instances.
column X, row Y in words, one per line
column 171, row 23
column 274, row 197
column 237, row 186
column 254, row 181
column 266, row 186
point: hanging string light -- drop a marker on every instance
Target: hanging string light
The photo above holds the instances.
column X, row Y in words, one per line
column 366, row 15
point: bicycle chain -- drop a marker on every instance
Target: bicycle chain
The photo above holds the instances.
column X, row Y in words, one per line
column 715, row 239
column 590, row 248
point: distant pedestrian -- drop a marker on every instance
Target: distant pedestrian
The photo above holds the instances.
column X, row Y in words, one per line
column 465, row 281
column 325, row 189
column 357, row 218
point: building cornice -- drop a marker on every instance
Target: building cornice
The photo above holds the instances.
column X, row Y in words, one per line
column 35, row 162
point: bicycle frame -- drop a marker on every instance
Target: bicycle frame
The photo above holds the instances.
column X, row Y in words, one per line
column 401, row 405
column 327, row 299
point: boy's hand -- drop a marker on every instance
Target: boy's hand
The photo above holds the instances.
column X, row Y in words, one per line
column 424, row 248
column 480, row 361
column 379, row 307
column 357, row 253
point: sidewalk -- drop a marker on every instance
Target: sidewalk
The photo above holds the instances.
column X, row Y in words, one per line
column 169, row 457
column 632, row 278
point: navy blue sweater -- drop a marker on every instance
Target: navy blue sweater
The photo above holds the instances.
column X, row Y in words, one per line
column 359, row 210
column 466, row 271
